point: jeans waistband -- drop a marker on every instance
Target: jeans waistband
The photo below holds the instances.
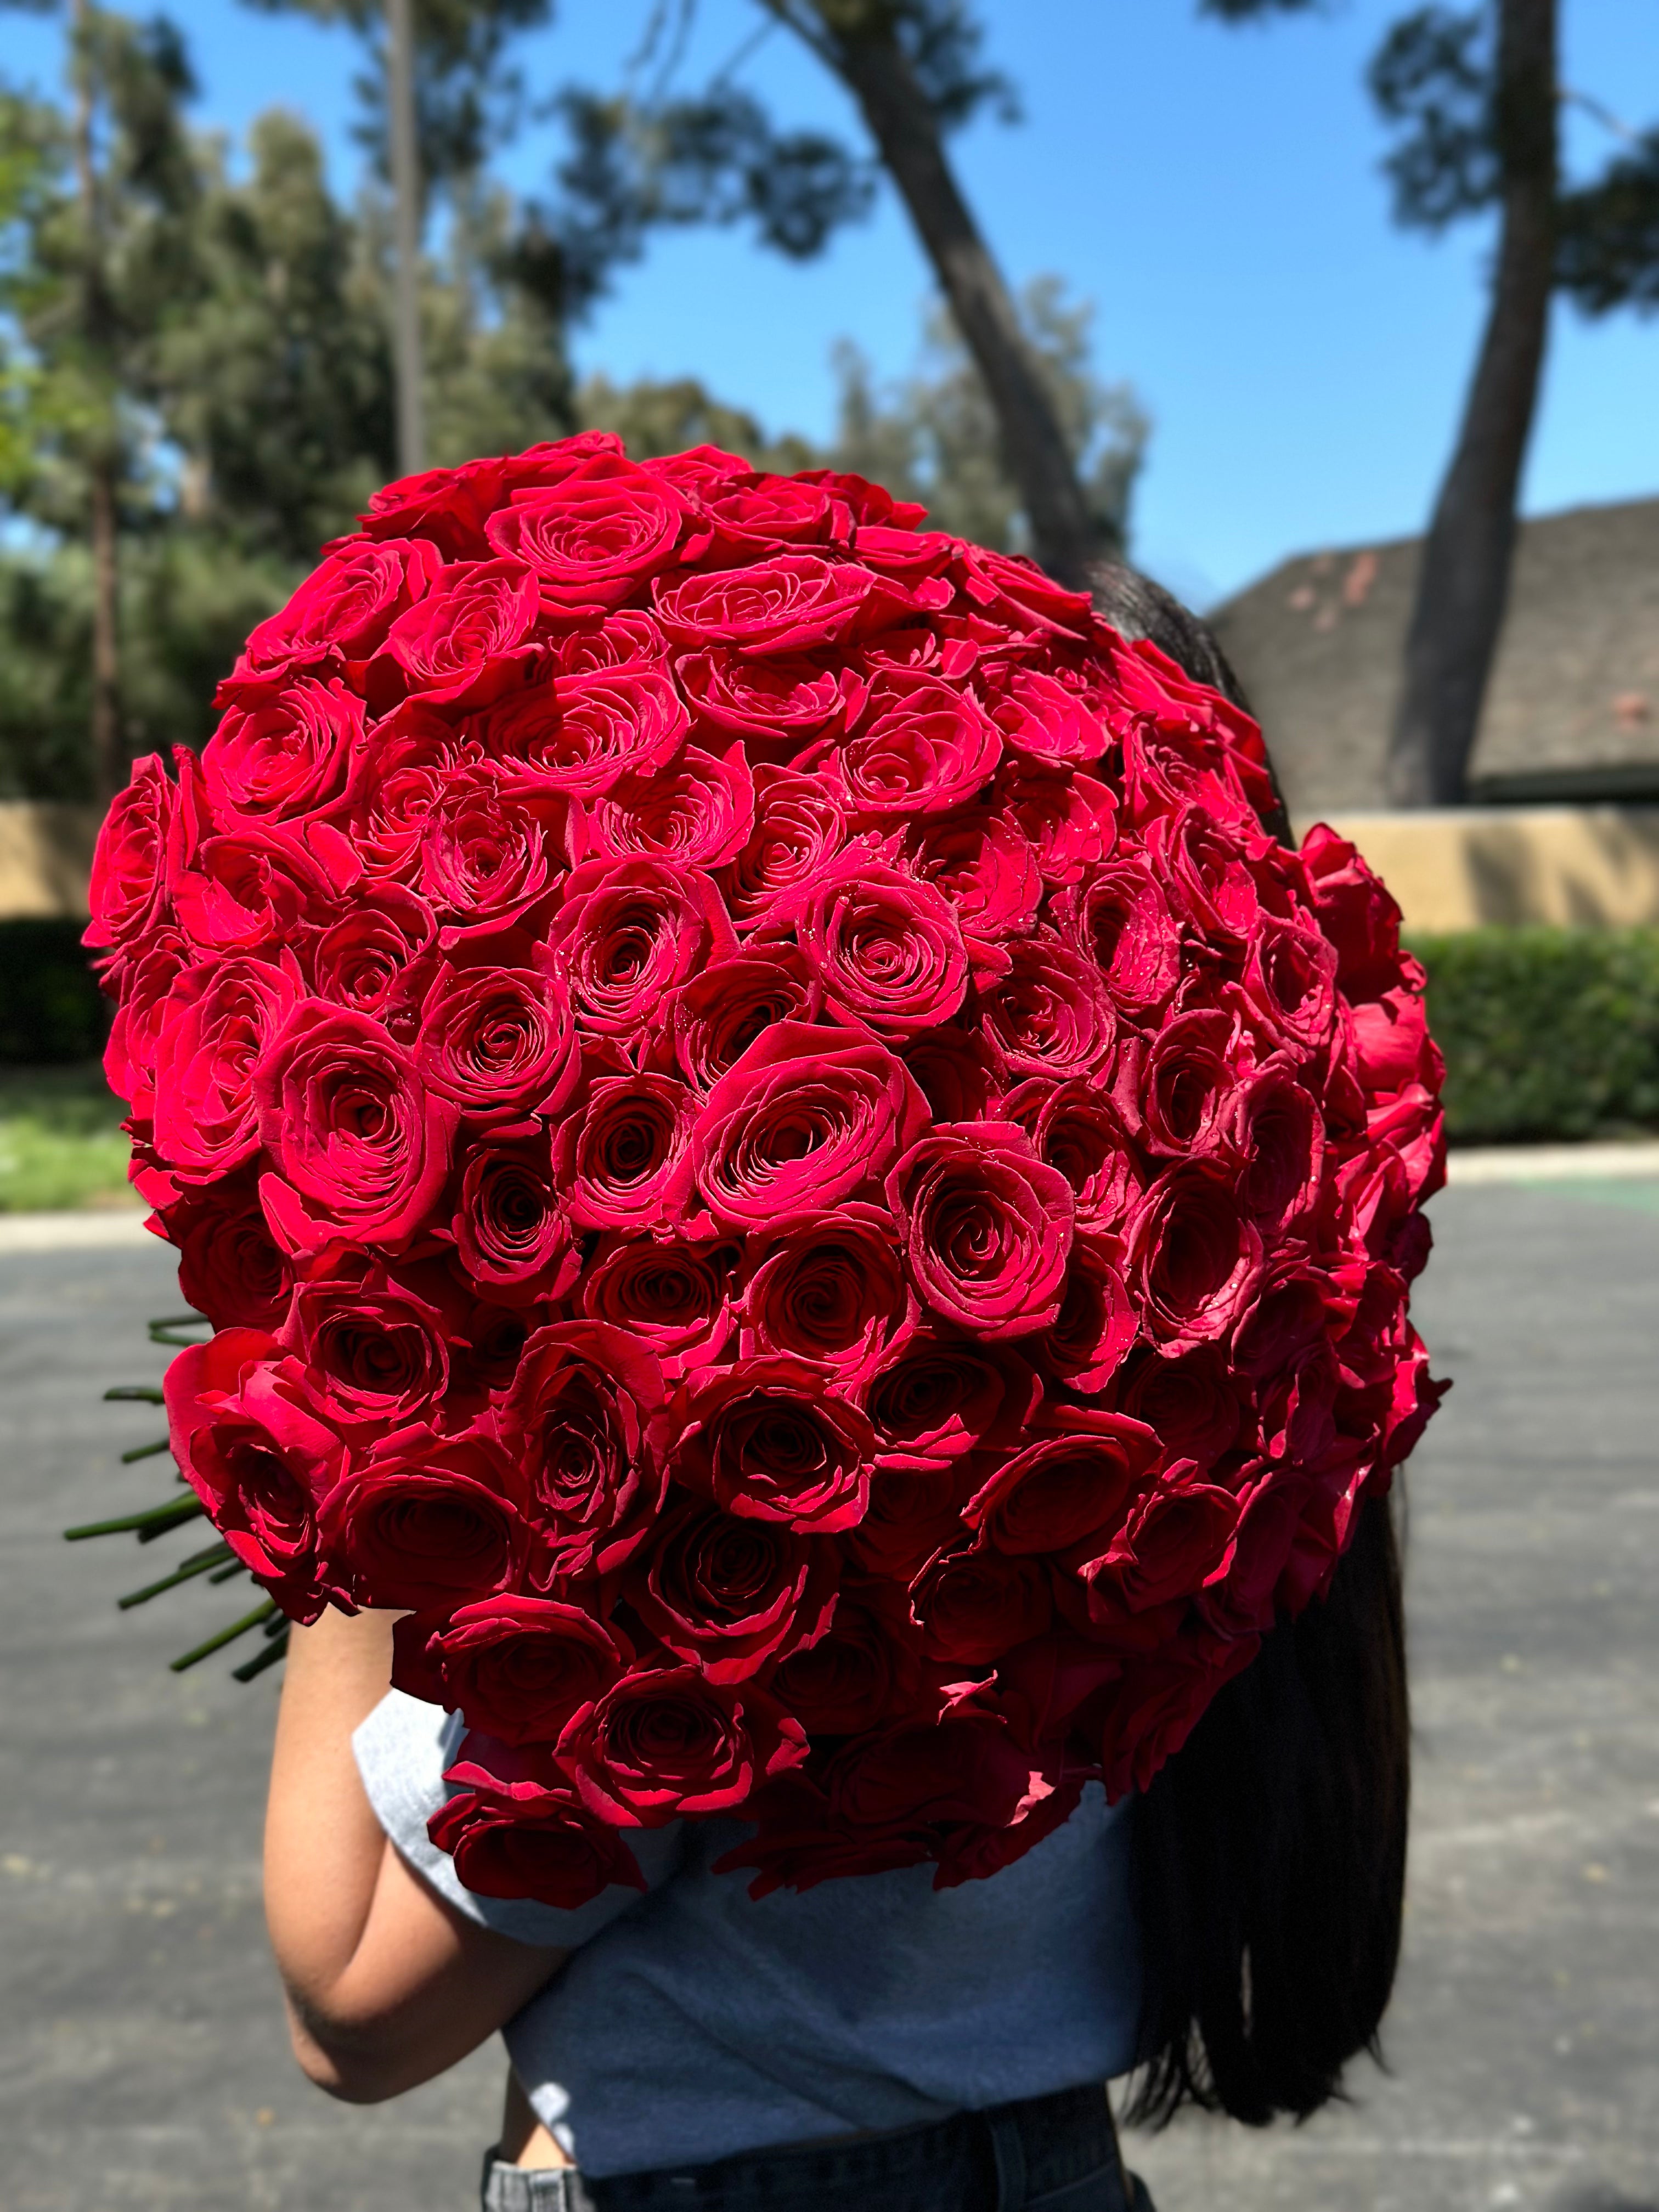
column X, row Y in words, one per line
column 1054, row 2153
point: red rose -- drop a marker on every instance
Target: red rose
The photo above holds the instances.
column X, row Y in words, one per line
column 577, row 1421
column 1277, row 1134
column 1189, row 1402
column 767, row 1442
column 973, row 1604
column 359, row 1146
column 958, row 1073
column 367, row 959
column 1079, row 1130
column 478, row 859
column 1206, row 875
column 221, row 1017
column 986, row 865
column 801, row 1120
column 1290, row 982
column 886, row 950
column 677, row 1298
column 1187, row 1083
column 938, row 1396
column 344, row 610
column 580, row 735
column 1158, row 1702
column 798, row 829
column 129, row 872
column 250, row 1446
column 628, row 933
column 794, row 603
column 860, row 1673
column 519, row 1667
column 772, row 513
column 468, row 640
column 785, row 700
column 1043, row 719
column 715, row 1016
column 376, row 1349
column 512, row 1233
column 251, row 891
column 1097, row 1322
column 1070, row 1488
column 963, row 1767
column 921, row 747
column 831, row 1288
column 1071, row 820
column 498, row 1041
column 618, row 1157
column 562, row 1856
column 415, row 755
column 1048, row 1015
column 141, row 1018
column 700, row 811
column 665, row 1741
column 1395, row 1047
column 595, row 537
column 988, row 1227
column 1193, row 1260
column 283, row 750
column 229, row 1268
column 731, row 1596
column 1174, row 1541
column 620, row 641
column 426, row 1521
column 1120, row 917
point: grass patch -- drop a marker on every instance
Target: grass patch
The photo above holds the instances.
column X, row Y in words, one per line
column 61, row 1146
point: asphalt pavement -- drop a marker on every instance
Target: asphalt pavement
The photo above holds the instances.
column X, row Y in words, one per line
column 142, row 2057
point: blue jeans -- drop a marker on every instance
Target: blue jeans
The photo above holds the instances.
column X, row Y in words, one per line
column 1056, row 2154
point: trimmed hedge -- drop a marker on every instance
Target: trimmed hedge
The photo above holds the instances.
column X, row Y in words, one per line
column 51, row 1010
column 1548, row 1033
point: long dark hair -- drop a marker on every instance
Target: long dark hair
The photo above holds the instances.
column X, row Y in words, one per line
column 1270, row 1852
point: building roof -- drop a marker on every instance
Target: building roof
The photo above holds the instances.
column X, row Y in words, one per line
column 1572, row 710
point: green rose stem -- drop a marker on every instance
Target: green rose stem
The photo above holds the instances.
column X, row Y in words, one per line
column 197, row 1563
column 254, row 1619
column 154, row 1521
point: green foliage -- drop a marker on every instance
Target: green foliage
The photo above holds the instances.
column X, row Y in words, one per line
column 61, row 1145
column 932, row 437
column 1548, row 1033
column 51, row 1010
column 1607, row 245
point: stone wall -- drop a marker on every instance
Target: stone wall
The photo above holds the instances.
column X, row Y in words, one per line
column 45, row 857
column 1464, row 866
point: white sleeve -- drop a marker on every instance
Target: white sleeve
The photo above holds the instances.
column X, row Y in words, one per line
column 402, row 1750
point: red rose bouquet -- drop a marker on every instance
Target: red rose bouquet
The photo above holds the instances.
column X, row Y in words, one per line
column 773, row 1151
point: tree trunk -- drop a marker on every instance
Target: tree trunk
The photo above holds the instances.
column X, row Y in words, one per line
column 103, row 456
column 1463, row 584
column 109, row 764
column 1065, row 536
column 406, row 206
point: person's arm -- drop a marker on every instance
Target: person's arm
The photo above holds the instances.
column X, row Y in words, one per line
column 386, row 1983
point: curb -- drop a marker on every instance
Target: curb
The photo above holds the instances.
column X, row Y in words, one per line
column 115, row 1231
column 1546, row 1164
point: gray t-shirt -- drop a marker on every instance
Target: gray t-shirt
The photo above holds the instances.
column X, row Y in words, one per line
column 694, row 2022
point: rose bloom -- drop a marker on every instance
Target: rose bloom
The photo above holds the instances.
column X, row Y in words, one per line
column 1048, row 1015
column 366, row 958
column 375, row 1348
column 230, row 1268
column 255, row 890
column 973, row 1604
column 885, row 949
column 830, row 1288
column 464, row 642
column 665, row 1741
column 1070, row 1489
column 1120, row 917
column 512, row 1232
column 357, row 1142
column 129, row 872
column 986, row 865
column 781, row 701
column 700, row 811
column 561, row 1855
column 284, row 751
column 986, row 1227
column 498, row 1041
column 1192, row 1260
column 343, row 609
column 479, row 860
column 519, row 1667
column 677, row 1298
column 595, row 537
column 426, row 1521
column 628, row 933
column 803, row 1119
column 257, row 1454
column 579, row 1421
column 921, row 747
column 220, row 1017
column 766, row 1441
column 795, row 603
column 580, row 735
column 716, row 1016
column 617, row 1158
column 800, row 826
column 731, row 1596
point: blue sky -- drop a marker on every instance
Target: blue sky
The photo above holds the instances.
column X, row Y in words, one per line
column 1214, row 192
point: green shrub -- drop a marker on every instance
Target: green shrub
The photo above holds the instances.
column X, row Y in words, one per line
column 1548, row 1033
column 51, row 1010
column 60, row 1140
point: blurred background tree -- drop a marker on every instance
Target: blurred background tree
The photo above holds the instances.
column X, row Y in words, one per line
column 1475, row 96
column 216, row 338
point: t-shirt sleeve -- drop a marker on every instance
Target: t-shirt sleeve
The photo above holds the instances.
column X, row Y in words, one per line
column 402, row 1750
